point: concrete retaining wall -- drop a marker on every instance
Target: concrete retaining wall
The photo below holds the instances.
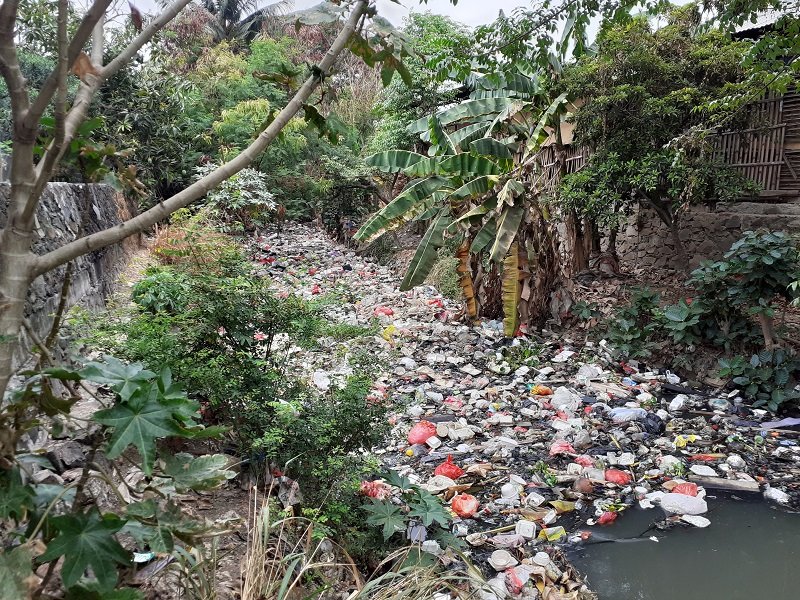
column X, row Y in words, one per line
column 706, row 232
column 68, row 211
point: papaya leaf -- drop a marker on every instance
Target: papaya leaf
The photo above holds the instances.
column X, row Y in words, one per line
column 138, row 422
column 87, row 540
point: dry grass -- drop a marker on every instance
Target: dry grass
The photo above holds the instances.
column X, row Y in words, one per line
column 285, row 561
column 192, row 243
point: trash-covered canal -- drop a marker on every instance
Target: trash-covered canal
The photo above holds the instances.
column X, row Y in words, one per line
column 529, row 442
column 751, row 550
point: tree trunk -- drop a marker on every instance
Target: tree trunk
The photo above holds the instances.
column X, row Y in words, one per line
column 612, row 242
column 15, row 278
column 680, row 251
column 577, row 234
column 768, row 331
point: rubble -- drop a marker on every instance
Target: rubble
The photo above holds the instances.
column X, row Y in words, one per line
column 543, row 433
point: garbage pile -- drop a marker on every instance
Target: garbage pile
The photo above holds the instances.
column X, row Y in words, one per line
column 530, row 440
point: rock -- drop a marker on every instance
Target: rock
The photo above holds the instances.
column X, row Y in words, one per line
column 64, row 455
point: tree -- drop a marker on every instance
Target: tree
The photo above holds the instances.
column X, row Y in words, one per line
column 33, row 167
column 231, row 21
column 641, row 95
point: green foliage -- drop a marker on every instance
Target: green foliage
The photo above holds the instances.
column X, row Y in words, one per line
column 418, row 506
column 161, row 290
column 758, row 268
column 632, row 326
column 242, row 199
column 768, row 378
column 146, row 407
column 641, row 91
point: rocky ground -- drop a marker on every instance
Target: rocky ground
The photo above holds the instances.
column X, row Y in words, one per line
column 551, row 434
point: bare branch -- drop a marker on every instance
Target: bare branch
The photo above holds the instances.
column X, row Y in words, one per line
column 9, row 64
column 62, row 69
column 95, row 13
column 86, row 91
column 159, row 212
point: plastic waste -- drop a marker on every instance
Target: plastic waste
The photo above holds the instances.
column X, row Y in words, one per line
column 678, row 403
column 502, row 560
column 552, row 534
column 623, row 414
column 687, row 489
column 703, row 470
column 449, row 469
column 776, row 495
column 681, row 504
column 617, row 476
column 465, row 505
column 607, row 518
column 561, row 447
column 421, row 432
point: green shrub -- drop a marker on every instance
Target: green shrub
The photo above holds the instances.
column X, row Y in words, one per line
column 768, row 378
column 161, row 290
column 631, row 328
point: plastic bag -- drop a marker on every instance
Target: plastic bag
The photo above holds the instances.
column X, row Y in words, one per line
column 465, row 505
column 617, row 476
column 449, row 469
column 421, row 432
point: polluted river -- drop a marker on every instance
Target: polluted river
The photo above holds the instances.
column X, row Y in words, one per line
column 569, row 474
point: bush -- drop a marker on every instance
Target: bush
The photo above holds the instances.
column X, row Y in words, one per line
column 631, row 328
column 241, row 200
column 768, row 378
column 162, row 290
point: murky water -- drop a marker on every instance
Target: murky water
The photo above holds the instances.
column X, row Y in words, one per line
column 750, row 551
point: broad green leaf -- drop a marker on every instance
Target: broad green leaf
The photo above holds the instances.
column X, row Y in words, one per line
column 538, row 135
column 464, row 136
column 427, row 252
column 440, row 141
column 479, row 210
column 465, row 110
column 122, row 378
column 428, row 508
column 468, row 164
column 391, row 214
column 386, row 515
column 197, row 472
column 93, row 592
column 491, row 147
column 394, row 478
column 320, row 14
column 510, row 191
column 474, row 188
column 393, row 161
column 512, row 108
column 87, row 540
column 138, row 422
column 15, row 498
column 677, row 312
column 485, row 235
column 16, row 573
column 507, row 227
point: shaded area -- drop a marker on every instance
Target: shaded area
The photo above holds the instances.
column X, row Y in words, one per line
column 750, row 550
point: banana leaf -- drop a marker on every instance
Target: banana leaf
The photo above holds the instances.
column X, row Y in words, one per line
column 507, row 227
column 426, row 254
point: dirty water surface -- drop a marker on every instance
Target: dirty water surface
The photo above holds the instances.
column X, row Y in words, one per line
column 750, row 550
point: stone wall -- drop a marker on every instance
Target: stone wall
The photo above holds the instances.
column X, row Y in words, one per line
column 68, row 211
column 706, row 232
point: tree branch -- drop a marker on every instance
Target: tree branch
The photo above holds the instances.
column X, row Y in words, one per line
column 9, row 63
column 54, row 152
column 86, row 92
column 90, row 19
column 159, row 212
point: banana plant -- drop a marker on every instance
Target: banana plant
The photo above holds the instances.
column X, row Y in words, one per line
column 477, row 184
